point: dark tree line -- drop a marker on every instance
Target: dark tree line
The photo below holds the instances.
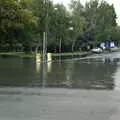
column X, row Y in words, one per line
column 22, row 24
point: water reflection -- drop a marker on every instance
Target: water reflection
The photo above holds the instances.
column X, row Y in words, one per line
column 92, row 73
column 95, row 72
column 95, row 75
column 38, row 67
column 117, row 79
column 49, row 67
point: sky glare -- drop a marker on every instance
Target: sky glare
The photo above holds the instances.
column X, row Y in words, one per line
column 115, row 2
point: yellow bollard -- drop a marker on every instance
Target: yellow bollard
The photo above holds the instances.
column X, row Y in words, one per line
column 38, row 58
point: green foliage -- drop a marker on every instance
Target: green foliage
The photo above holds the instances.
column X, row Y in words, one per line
column 101, row 18
column 23, row 23
column 16, row 22
column 78, row 19
column 59, row 25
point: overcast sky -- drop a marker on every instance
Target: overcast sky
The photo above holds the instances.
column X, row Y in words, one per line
column 115, row 2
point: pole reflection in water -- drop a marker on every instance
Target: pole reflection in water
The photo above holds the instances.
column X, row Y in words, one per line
column 49, row 67
column 69, row 74
column 44, row 74
column 117, row 78
column 46, row 66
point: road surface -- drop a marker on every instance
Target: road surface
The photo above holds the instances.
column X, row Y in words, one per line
column 59, row 104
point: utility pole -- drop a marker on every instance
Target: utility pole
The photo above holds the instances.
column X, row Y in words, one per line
column 45, row 31
column 45, row 44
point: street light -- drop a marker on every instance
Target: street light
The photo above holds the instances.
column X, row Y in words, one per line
column 45, row 32
column 71, row 28
column 55, row 8
column 73, row 41
column 45, row 44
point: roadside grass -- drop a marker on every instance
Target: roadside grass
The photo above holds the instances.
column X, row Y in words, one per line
column 33, row 55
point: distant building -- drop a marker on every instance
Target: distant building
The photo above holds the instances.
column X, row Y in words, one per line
column 106, row 45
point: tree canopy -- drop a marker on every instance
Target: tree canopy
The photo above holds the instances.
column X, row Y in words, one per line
column 22, row 23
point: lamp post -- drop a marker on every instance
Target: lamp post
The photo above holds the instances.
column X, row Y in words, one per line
column 71, row 28
column 45, row 44
column 45, row 32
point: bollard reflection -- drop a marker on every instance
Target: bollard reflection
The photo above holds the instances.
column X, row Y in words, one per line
column 49, row 67
column 38, row 67
column 38, row 64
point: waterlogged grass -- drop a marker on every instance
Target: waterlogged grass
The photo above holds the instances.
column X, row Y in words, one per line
column 26, row 55
column 10, row 53
column 19, row 54
column 33, row 55
column 68, row 54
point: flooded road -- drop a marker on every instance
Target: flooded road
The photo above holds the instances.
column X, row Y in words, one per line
column 79, row 89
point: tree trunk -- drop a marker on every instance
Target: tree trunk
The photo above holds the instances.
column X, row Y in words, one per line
column 60, row 45
column 73, row 44
column 55, row 49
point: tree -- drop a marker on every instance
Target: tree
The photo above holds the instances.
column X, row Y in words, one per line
column 78, row 20
column 59, row 27
column 22, row 23
column 16, row 22
column 100, row 18
column 41, row 10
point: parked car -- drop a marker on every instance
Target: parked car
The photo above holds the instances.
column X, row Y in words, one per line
column 97, row 50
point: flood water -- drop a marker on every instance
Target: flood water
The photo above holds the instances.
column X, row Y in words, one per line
column 93, row 72
column 24, row 95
